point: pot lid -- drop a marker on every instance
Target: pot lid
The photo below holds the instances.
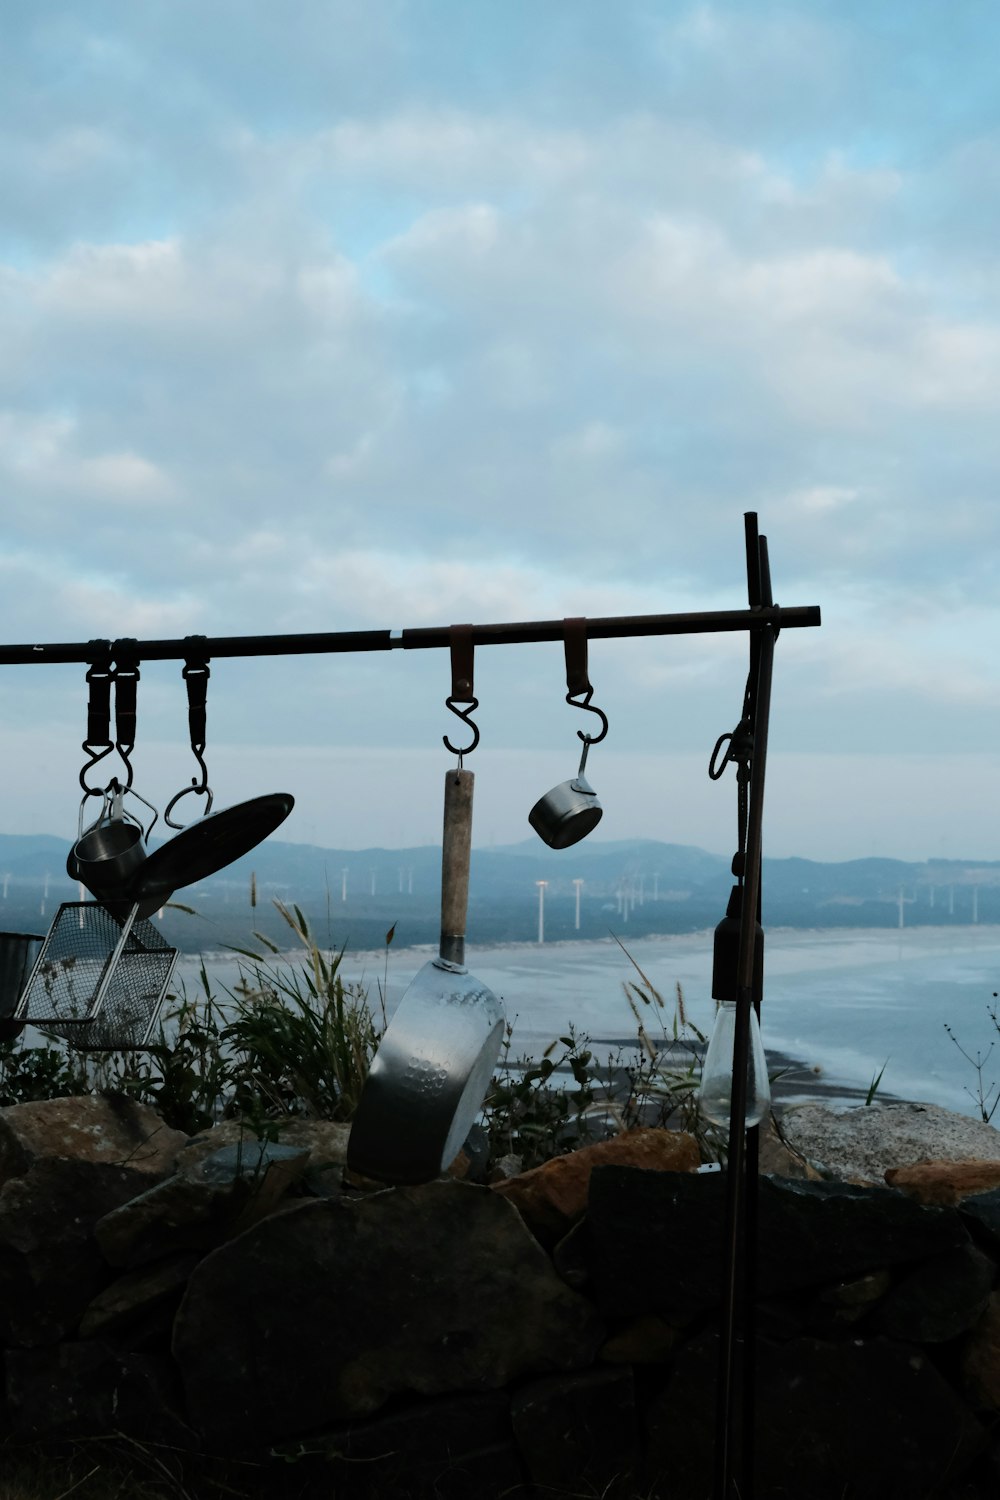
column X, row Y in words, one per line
column 209, row 845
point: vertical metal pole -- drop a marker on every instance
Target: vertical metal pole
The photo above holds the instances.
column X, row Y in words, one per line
column 733, row 1476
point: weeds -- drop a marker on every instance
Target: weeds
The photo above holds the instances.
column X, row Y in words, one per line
column 293, row 1039
column 876, row 1083
column 985, row 1097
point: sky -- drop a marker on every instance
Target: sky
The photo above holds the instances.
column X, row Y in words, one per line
column 374, row 314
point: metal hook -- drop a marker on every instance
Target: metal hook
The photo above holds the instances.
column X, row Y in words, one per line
column 591, row 708
column 204, row 790
column 195, row 674
column 465, row 715
column 577, row 679
column 462, row 660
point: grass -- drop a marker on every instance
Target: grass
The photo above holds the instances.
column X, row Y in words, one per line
column 293, row 1040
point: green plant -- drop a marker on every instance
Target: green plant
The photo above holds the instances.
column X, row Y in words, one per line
column 985, row 1097
column 529, row 1113
column 300, row 1040
column 876, row 1083
column 664, row 1075
column 46, row 1072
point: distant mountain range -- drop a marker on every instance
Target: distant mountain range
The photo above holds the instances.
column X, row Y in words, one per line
column 638, row 886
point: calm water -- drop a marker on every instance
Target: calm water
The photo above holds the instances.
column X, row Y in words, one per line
column 843, row 1001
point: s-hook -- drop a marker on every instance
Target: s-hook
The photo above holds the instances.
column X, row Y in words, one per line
column 578, row 684
column 195, row 674
column 462, row 656
column 98, row 742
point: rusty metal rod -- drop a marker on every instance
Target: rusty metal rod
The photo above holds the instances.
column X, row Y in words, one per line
column 423, row 638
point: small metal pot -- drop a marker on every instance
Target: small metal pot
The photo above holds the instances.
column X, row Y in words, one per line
column 108, row 856
column 567, row 814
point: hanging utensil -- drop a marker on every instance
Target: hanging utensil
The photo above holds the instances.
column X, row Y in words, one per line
column 99, row 980
column 18, row 951
column 109, row 853
column 570, row 811
column 429, row 1077
column 208, row 846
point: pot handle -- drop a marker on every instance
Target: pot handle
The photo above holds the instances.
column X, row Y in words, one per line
column 456, row 851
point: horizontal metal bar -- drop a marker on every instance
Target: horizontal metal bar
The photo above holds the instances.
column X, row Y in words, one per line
column 423, row 638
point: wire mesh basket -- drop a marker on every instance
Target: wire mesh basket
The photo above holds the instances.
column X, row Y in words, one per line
column 99, row 980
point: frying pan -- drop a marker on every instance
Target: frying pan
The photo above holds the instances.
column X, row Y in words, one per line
column 428, row 1079
column 208, row 846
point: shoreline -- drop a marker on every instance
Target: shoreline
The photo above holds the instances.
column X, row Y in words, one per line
column 990, row 932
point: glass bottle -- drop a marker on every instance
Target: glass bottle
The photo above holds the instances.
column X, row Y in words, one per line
column 715, row 1093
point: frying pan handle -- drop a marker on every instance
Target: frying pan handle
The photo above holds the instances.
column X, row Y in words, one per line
column 455, row 858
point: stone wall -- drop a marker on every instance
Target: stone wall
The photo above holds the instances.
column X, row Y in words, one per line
column 554, row 1333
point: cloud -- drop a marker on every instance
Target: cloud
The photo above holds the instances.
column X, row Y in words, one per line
column 403, row 314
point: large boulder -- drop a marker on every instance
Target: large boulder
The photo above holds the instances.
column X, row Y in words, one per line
column 552, row 1197
column 50, row 1264
column 115, row 1131
column 866, row 1418
column 216, row 1197
column 861, row 1143
column 92, row 1390
column 811, row 1235
column 326, row 1311
column 945, row 1181
column 578, row 1434
column 324, row 1140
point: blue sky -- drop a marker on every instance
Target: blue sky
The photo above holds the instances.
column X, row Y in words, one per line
column 326, row 316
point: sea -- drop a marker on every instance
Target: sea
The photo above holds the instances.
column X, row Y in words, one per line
column 843, row 1006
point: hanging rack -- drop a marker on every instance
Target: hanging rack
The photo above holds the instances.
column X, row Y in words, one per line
column 762, row 621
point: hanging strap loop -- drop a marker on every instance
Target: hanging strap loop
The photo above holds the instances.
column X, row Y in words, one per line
column 126, row 678
column 98, row 742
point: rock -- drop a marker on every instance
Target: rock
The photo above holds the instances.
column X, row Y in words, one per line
column 115, row 1131
column 578, row 1434
column 849, row 1301
column 452, row 1448
column 50, row 1263
column 214, row 1198
column 92, row 1390
column 980, row 1360
column 777, row 1158
column 863, row 1142
column 327, row 1311
column 506, row 1167
column 647, row 1340
column 944, row 1181
column 552, row 1197
column 864, row 1418
column 982, row 1214
column 571, row 1257
column 132, row 1299
column 656, row 1238
column 939, row 1299
column 325, row 1141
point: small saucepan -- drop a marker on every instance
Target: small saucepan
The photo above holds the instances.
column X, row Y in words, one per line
column 569, row 812
column 108, row 854
column 434, row 1064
